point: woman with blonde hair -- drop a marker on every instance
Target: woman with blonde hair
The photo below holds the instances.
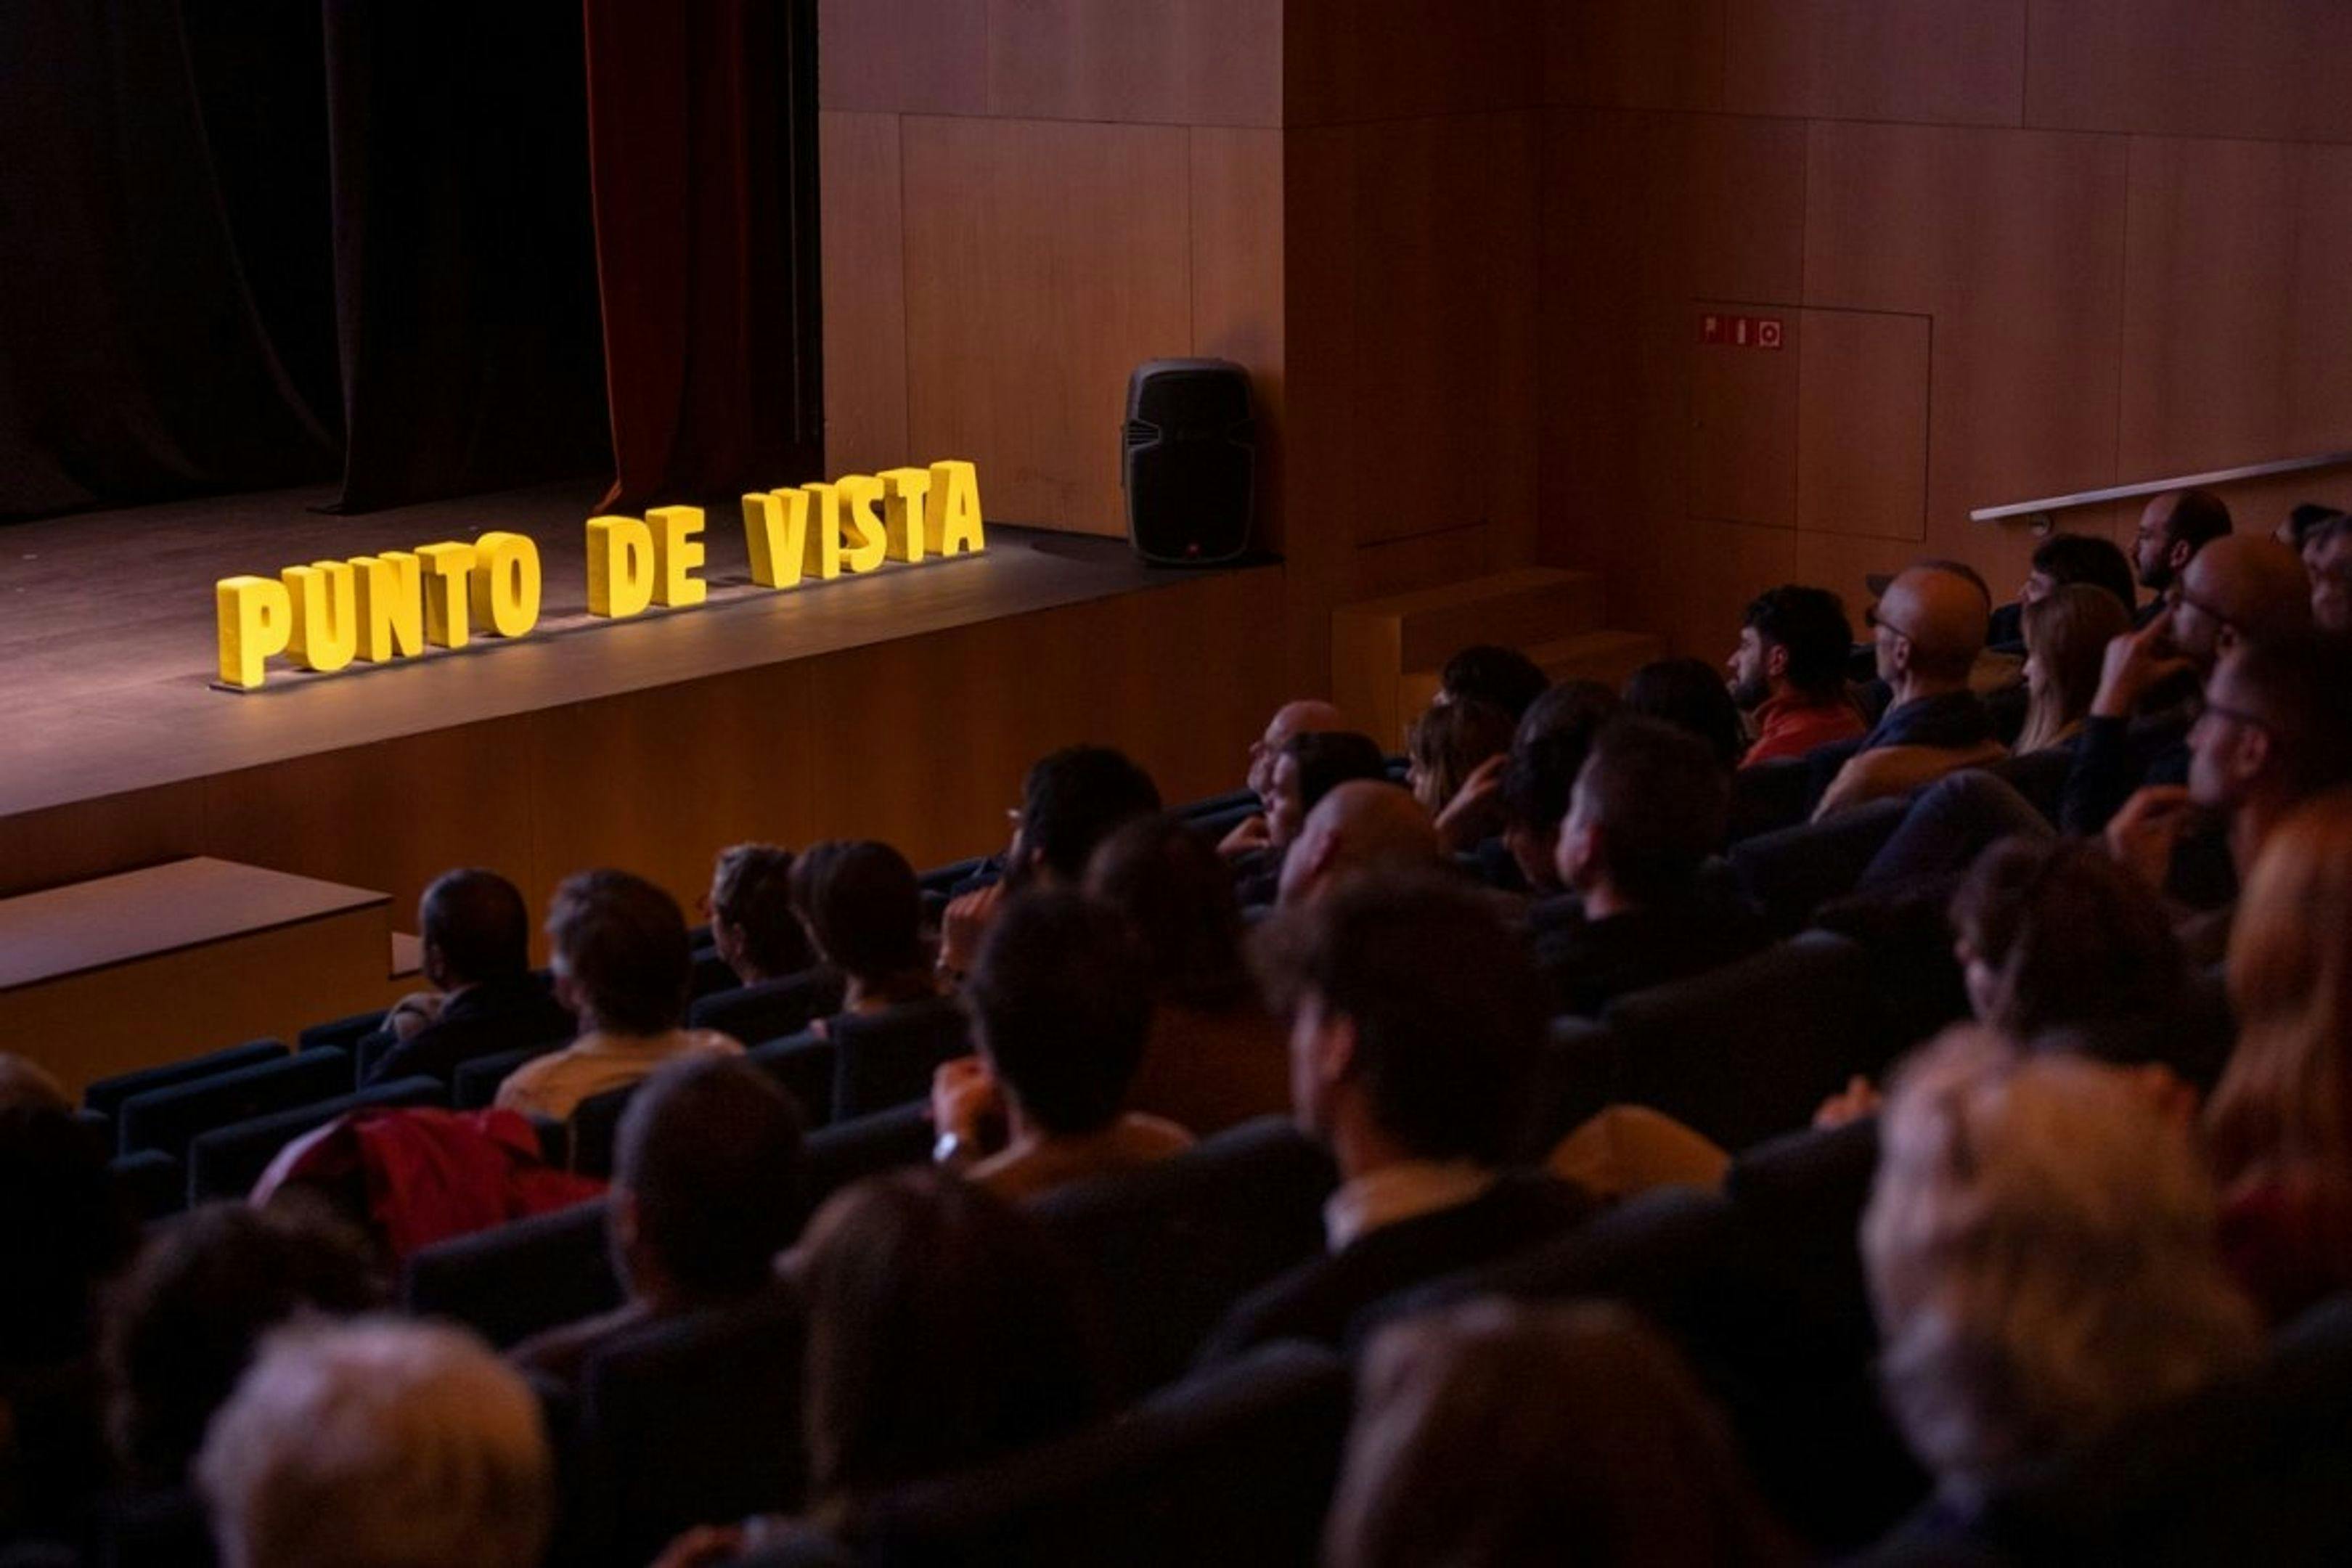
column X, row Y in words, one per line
column 2279, row 1128
column 2067, row 634
column 1447, row 745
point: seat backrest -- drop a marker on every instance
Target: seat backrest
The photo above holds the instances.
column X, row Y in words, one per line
column 769, row 1010
column 595, row 1125
column 107, row 1095
column 344, row 1032
column 882, row 1060
column 1769, row 796
column 153, row 1183
column 1576, row 1077
column 1175, row 1243
column 2039, row 776
column 1235, row 1467
column 225, row 1162
column 169, row 1118
column 849, row 1152
column 1751, row 1049
column 691, row 1421
column 509, row 1282
column 1791, row 872
column 802, row 1064
column 475, row 1085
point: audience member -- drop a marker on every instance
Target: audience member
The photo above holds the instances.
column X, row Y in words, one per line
column 1647, row 811
column 1494, row 1435
column 475, row 931
column 1214, row 1056
column 27, row 1085
column 2067, row 631
column 1926, row 632
column 1309, row 768
column 757, row 933
column 2091, row 560
column 2173, row 528
column 1308, row 716
column 2279, row 1128
column 379, row 1444
column 184, row 1321
column 1534, row 779
column 623, row 967
column 709, row 1183
column 1358, row 828
column 1689, row 694
column 863, row 908
column 1502, row 677
column 1061, row 1007
column 2303, row 521
column 1071, row 801
column 1447, row 745
column 1789, row 673
column 2327, row 560
column 1415, row 1021
column 2040, row 1246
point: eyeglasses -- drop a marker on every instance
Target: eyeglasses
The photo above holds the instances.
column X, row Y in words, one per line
column 2235, row 715
column 1874, row 621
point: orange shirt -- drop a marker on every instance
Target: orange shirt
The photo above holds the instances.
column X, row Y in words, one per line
column 1790, row 726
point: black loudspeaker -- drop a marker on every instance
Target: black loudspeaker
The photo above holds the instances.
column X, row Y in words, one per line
column 1190, row 462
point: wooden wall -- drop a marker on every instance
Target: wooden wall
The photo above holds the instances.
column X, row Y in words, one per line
column 2020, row 247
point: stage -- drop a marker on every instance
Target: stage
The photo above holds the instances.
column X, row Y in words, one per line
column 902, row 704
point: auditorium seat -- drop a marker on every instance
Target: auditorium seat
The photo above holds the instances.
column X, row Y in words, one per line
column 225, row 1162
column 595, row 1127
column 162, row 1528
column 1769, row 796
column 1576, row 1077
column 802, row 1064
column 151, row 1182
column 1751, row 1049
column 107, row 1095
column 851, row 1151
column 1176, row 1243
column 344, row 1032
column 769, row 1010
column 510, row 1281
column 1791, row 872
column 475, row 1084
column 1235, row 1468
column 2040, row 776
column 882, row 1060
column 169, row 1118
column 712, row 975
column 691, row 1421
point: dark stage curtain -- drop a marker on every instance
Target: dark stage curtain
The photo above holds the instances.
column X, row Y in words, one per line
column 148, row 153
column 703, row 137
column 465, row 263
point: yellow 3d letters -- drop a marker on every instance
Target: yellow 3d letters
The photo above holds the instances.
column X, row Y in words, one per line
column 952, row 520
column 326, row 616
column 863, row 541
column 677, row 553
column 448, row 568
column 257, row 619
column 390, row 605
column 903, row 492
column 821, row 557
column 506, row 583
column 620, row 566
column 775, row 530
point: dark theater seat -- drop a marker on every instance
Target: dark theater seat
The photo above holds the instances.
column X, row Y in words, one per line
column 509, row 1282
column 169, row 1119
column 107, row 1095
column 225, row 1162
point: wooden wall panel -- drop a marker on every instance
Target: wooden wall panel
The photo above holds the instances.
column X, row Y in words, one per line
column 2270, row 69
column 96, row 837
column 1862, row 424
column 903, row 56
column 1742, row 430
column 1950, row 62
column 1237, row 285
column 866, row 363
column 1636, row 54
column 1043, row 264
column 1348, row 61
column 1171, row 62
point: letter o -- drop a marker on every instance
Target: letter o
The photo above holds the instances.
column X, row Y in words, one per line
column 506, row 583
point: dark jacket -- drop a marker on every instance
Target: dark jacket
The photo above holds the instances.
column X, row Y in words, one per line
column 770, row 1009
column 479, row 1021
column 1592, row 963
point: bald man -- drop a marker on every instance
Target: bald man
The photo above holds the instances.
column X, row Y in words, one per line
column 1359, row 826
column 1926, row 630
column 2235, row 589
column 1306, row 716
column 2173, row 529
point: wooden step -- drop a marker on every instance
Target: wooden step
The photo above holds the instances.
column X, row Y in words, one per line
column 1377, row 644
column 1605, row 656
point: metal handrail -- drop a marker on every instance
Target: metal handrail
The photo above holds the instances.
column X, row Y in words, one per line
column 2157, row 487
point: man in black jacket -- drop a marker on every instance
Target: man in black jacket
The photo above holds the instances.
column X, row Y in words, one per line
column 477, row 934
column 1416, row 1018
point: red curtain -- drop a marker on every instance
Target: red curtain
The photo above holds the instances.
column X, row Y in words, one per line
column 702, row 152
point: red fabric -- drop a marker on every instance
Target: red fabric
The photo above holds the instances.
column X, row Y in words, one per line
column 701, row 148
column 1790, row 727
column 432, row 1175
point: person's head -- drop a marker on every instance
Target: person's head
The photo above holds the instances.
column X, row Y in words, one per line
column 1546, row 755
column 2276, row 726
column 1070, row 802
column 1793, row 640
column 379, row 1444
column 1415, row 1017
column 474, row 926
column 183, row 1322
column 2067, row 634
column 2042, row 1258
column 1061, row 1005
column 1689, row 694
column 2063, row 559
column 2173, row 527
column 1622, row 1458
column 2237, row 589
column 1302, row 718
column 26, row 1083
column 1360, row 827
column 2284, row 1101
column 2304, row 521
column 863, row 907
column 710, row 1183
column 752, row 923
column 2052, row 934
column 943, row 1328
column 1648, row 809
column 1501, row 677
column 2327, row 561
column 1310, row 767
column 1446, row 745
column 622, row 963
column 1177, row 895
column 1928, row 629
column 63, row 1228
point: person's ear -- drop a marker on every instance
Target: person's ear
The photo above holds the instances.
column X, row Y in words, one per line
column 2255, row 750
column 1776, row 662
column 567, row 992
column 1334, row 1049
column 2178, row 554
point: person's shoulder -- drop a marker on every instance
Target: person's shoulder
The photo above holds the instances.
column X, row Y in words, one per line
column 1150, row 1137
column 710, row 1042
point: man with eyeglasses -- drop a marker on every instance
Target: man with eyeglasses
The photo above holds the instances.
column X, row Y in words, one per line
column 1926, row 630
column 2174, row 527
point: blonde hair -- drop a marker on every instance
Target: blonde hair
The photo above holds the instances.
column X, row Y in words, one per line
column 378, row 1443
column 2040, row 1249
column 2068, row 629
column 2285, row 1099
column 1446, row 745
